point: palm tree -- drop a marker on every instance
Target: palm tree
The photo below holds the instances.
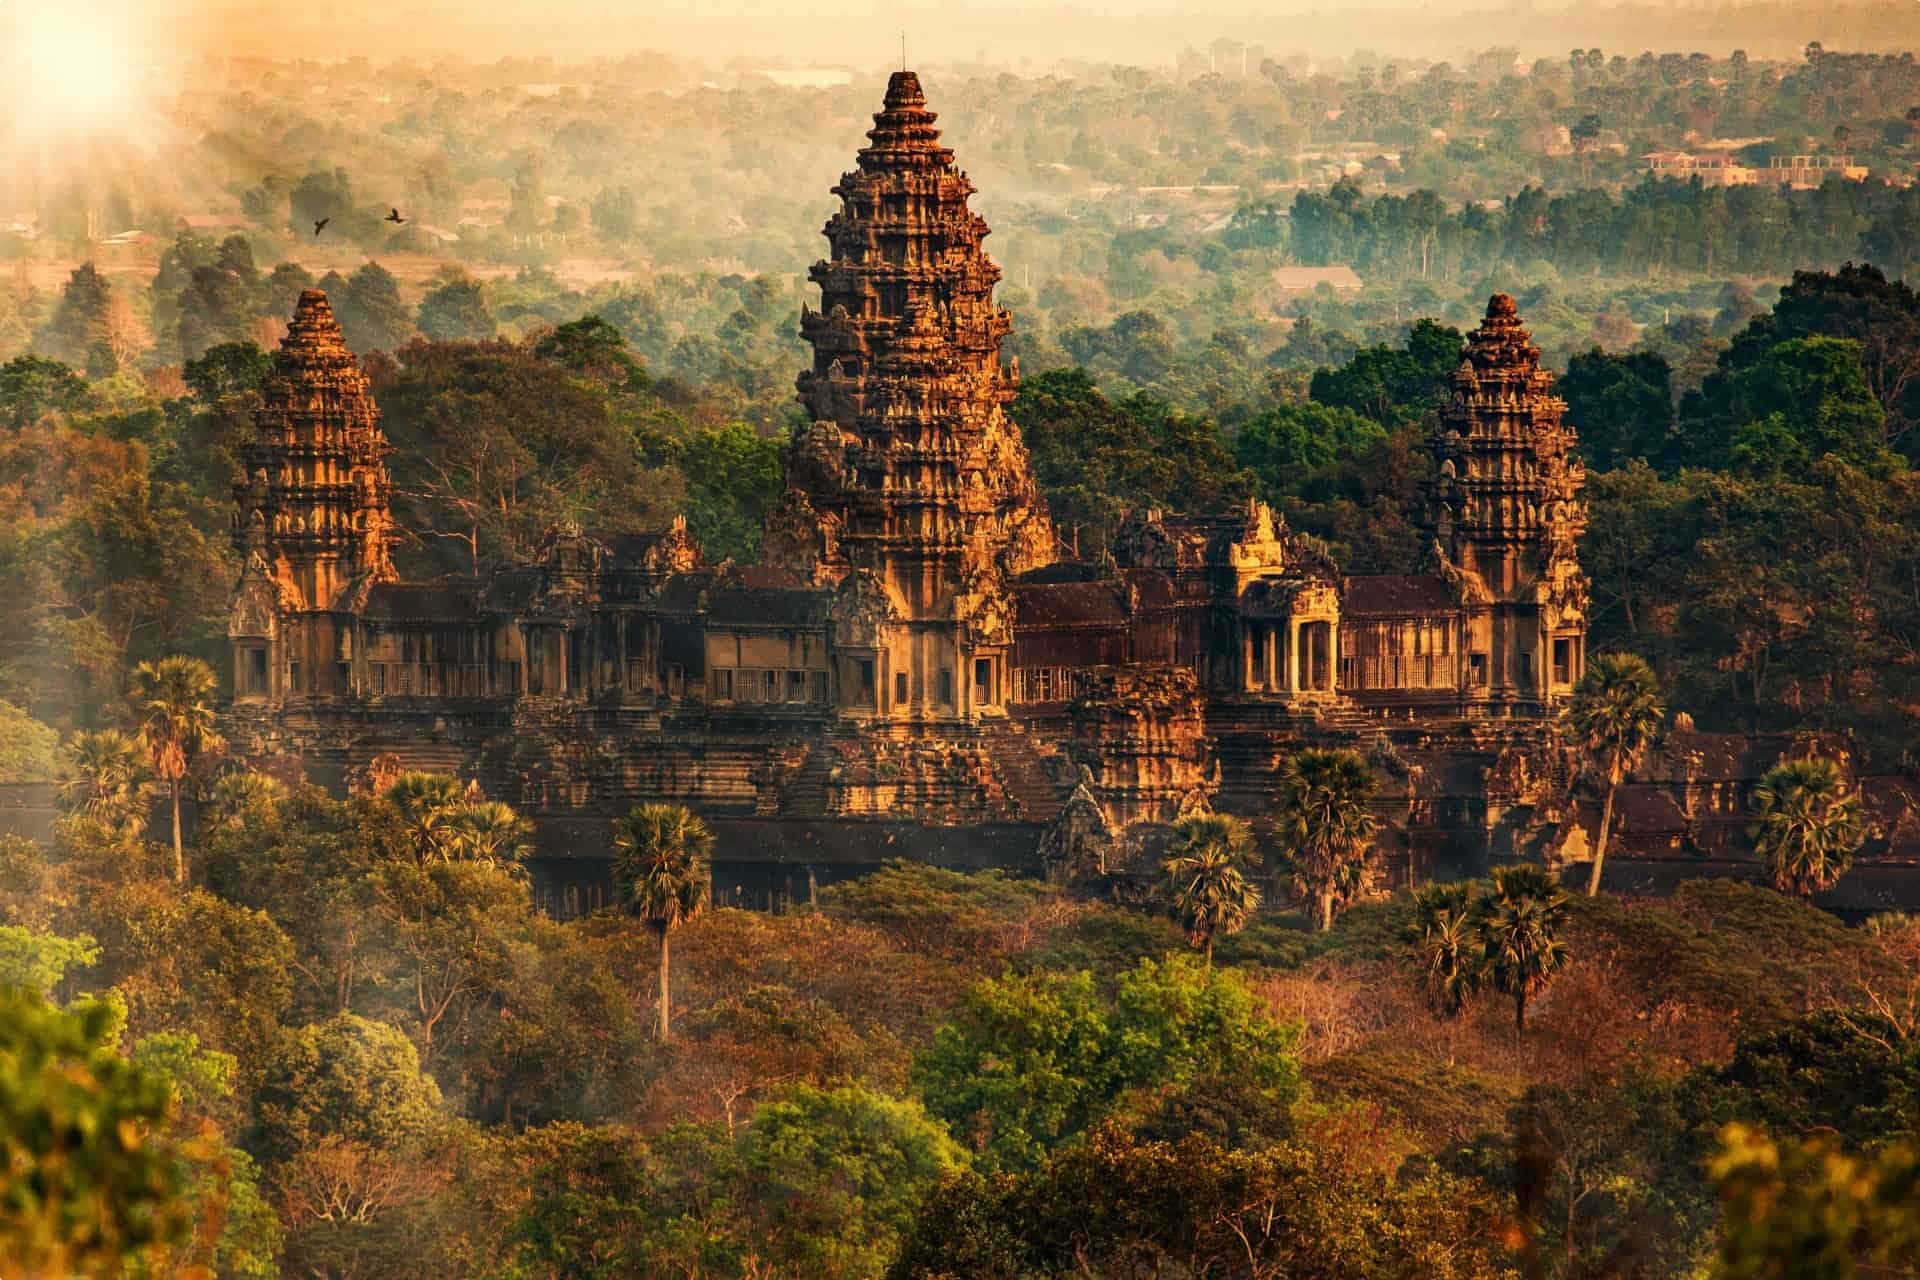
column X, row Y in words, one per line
column 661, row 874
column 427, row 803
column 1809, row 824
column 1446, row 947
column 487, row 831
column 1519, row 925
column 1205, row 881
column 1325, row 830
column 172, row 700
column 241, row 794
column 1613, row 718
column 106, row 779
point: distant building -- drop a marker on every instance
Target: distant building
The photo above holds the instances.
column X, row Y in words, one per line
column 1307, row 279
column 1803, row 173
column 1713, row 168
column 212, row 222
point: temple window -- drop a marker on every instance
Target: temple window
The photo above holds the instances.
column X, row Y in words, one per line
column 946, row 686
column 722, row 685
column 1477, row 669
column 253, row 671
column 1563, row 661
column 863, row 668
column 900, row 687
column 983, row 680
column 293, row 676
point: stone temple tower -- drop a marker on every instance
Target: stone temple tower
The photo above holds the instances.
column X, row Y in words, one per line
column 910, row 489
column 1505, row 514
column 311, row 514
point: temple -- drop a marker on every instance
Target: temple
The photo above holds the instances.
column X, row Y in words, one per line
column 918, row 667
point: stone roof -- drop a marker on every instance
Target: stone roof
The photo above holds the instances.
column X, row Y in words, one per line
column 1395, row 594
column 1070, row 604
column 769, row 606
column 447, row 600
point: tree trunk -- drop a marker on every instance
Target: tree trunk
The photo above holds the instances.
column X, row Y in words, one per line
column 664, row 1030
column 1600, row 841
column 179, row 850
column 1323, row 912
column 1209, row 951
column 1520, row 1013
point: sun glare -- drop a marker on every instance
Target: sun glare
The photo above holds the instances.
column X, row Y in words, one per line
column 71, row 72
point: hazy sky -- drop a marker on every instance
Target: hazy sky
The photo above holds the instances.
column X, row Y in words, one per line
column 865, row 34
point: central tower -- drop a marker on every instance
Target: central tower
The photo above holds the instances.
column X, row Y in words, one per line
column 910, row 489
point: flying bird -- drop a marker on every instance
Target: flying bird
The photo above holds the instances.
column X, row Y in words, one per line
column 321, row 225
column 394, row 216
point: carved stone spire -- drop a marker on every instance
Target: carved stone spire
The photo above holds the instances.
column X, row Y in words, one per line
column 911, row 461
column 314, row 501
column 1505, row 507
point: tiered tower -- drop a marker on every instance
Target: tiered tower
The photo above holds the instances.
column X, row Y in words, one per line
column 910, row 471
column 1506, row 515
column 311, row 513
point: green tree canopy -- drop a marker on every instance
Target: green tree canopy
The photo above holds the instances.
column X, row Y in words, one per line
column 1621, row 406
column 347, row 1078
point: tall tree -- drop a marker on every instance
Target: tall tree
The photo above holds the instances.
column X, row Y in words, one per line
column 1519, row 924
column 105, row 779
column 1808, row 825
column 661, row 875
column 1206, row 880
column 172, row 701
column 373, row 316
column 455, row 310
column 1444, row 947
column 489, row 831
column 81, row 319
column 428, row 803
column 1613, row 718
column 95, row 1184
column 1622, row 405
column 1326, row 833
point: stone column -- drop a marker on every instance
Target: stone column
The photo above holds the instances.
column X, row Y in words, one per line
column 1273, row 657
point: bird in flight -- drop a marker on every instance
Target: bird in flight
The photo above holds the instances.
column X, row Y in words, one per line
column 393, row 216
column 321, row 225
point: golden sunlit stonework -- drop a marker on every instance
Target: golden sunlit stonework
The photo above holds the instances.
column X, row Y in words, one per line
column 918, row 667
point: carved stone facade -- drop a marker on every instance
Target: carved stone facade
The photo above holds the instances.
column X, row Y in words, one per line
column 910, row 469
column 1506, row 518
column 916, row 655
column 311, row 515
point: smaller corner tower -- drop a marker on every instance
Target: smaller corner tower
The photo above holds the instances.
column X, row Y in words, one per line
column 311, row 514
column 1506, row 515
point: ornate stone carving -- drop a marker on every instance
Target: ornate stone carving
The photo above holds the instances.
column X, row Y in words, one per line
column 798, row 537
column 908, row 451
column 322, row 518
column 256, row 601
column 862, row 609
column 1078, row 845
column 985, row 609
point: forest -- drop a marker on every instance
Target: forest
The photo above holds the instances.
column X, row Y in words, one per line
column 306, row 1035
